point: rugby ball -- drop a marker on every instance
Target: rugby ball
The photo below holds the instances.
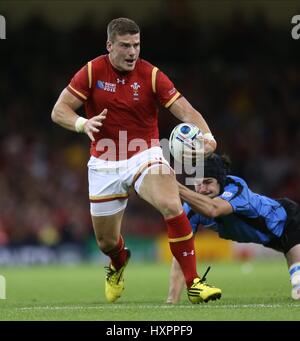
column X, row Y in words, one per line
column 185, row 139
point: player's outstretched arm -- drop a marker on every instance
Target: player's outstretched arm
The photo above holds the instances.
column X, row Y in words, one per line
column 203, row 204
column 185, row 112
column 64, row 114
column 176, row 283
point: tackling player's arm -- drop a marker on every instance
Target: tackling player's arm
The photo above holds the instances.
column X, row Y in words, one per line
column 185, row 112
column 203, row 204
column 177, row 282
column 64, row 114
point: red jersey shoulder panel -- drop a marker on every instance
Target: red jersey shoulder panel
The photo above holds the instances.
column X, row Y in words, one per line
column 83, row 81
column 166, row 92
column 78, row 85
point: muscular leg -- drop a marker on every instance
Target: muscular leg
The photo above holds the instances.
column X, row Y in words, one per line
column 109, row 239
column 107, row 230
column 161, row 191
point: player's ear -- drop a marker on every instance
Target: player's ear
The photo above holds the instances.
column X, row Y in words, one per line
column 108, row 45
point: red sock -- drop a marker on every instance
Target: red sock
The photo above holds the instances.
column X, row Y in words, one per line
column 118, row 254
column 179, row 229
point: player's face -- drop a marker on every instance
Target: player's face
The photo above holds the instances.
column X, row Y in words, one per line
column 124, row 51
column 208, row 186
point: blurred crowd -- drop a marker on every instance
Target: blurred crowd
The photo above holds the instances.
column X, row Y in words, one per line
column 244, row 77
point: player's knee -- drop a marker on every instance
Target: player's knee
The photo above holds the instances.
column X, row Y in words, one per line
column 170, row 208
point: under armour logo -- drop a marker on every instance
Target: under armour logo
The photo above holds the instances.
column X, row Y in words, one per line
column 185, row 253
column 122, row 81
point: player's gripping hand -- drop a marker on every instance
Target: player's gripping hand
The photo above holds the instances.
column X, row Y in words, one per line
column 210, row 144
column 93, row 124
column 204, row 145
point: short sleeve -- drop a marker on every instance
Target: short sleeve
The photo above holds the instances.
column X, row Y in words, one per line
column 79, row 85
column 237, row 194
column 166, row 92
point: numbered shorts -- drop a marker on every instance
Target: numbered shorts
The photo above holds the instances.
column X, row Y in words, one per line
column 110, row 181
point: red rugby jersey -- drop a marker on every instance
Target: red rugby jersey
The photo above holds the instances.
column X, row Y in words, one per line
column 132, row 100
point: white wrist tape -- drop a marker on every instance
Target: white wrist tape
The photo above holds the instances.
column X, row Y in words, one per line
column 208, row 136
column 79, row 124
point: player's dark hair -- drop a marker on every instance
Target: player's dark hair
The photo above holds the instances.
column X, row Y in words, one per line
column 217, row 167
column 121, row 26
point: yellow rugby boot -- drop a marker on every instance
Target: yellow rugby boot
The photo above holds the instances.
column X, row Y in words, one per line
column 114, row 282
column 202, row 292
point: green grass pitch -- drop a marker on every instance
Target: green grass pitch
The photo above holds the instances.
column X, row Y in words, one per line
column 255, row 291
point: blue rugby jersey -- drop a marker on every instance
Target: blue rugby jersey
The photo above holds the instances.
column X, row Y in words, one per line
column 255, row 218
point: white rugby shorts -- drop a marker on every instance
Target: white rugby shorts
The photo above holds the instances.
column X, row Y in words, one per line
column 109, row 181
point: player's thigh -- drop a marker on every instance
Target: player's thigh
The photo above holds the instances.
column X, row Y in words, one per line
column 108, row 227
column 108, row 200
column 160, row 189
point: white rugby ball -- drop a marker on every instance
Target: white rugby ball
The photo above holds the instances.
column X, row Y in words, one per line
column 184, row 139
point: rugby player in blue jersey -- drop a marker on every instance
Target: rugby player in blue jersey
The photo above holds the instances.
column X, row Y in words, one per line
column 225, row 204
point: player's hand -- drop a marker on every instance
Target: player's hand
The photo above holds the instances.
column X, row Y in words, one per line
column 93, row 124
column 197, row 152
column 203, row 147
column 210, row 146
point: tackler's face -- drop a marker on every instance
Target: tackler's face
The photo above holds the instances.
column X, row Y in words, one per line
column 124, row 51
column 207, row 186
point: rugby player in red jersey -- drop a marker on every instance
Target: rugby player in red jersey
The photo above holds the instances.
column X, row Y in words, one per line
column 121, row 93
